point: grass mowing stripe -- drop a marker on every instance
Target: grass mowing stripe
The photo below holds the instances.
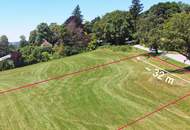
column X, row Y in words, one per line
column 69, row 74
column 173, row 102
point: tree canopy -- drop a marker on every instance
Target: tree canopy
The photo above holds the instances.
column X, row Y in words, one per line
column 176, row 34
column 4, row 43
column 23, row 41
column 114, row 27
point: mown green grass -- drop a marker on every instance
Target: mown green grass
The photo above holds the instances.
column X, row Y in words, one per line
column 103, row 99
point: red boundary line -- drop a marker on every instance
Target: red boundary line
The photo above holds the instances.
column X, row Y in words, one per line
column 162, row 107
column 168, row 63
column 173, row 102
column 163, row 61
column 69, row 74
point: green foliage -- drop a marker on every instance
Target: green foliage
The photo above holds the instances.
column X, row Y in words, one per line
column 32, row 37
column 73, row 49
column 35, row 54
column 135, row 11
column 160, row 12
column 93, row 44
column 155, row 28
column 136, row 8
column 4, row 44
column 59, row 49
column 4, row 40
column 176, row 34
column 46, row 56
column 58, row 32
column 150, row 25
column 6, row 64
column 114, row 27
column 42, row 32
column 184, row 7
column 23, row 41
column 88, row 26
column 56, row 56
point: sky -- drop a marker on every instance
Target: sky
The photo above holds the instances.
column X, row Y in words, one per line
column 19, row 17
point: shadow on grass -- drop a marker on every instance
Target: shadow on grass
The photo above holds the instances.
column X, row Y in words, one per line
column 184, row 70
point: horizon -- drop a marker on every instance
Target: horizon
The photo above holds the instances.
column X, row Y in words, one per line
column 21, row 16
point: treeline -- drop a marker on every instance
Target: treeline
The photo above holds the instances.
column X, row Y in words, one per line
column 164, row 25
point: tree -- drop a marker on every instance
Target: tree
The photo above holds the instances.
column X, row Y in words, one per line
column 6, row 64
column 163, row 11
column 43, row 33
column 4, row 40
column 184, row 7
column 77, row 13
column 136, row 8
column 32, row 37
column 35, row 54
column 151, row 22
column 56, row 33
column 135, row 11
column 23, row 41
column 75, row 39
column 88, row 26
column 114, row 27
column 176, row 34
column 4, row 43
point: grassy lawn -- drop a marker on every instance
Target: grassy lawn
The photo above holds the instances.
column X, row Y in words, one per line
column 103, row 99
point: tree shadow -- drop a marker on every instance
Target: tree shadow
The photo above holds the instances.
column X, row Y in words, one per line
column 156, row 54
column 184, row 70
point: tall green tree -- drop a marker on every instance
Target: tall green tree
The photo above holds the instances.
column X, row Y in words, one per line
column 4, row 40
column 43, row 33
column 135, row 10
column 56, row 33
column 176, row 34
column 23, row 41
column 150, row 23
column 114, row 27
column 32, row 37
column 77, row 13
column 4, row 43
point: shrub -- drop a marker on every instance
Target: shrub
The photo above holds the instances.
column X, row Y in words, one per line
column 59, row 50
column 93, row 44
column 45, row 56
column 35, row 54
column 6, row 64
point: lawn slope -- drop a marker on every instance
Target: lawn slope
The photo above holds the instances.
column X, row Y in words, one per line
column 103, row 99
